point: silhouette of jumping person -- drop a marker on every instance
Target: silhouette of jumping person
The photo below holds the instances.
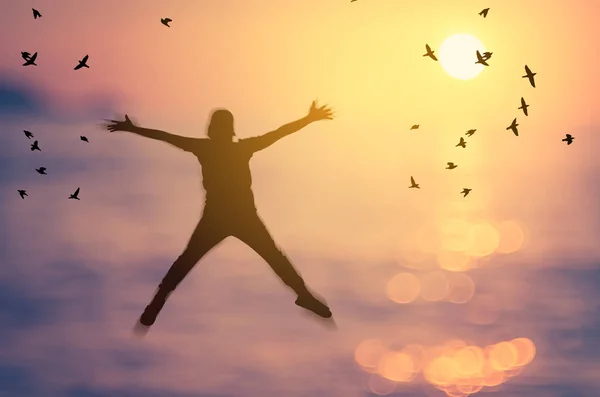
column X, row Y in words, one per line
column 229, row 208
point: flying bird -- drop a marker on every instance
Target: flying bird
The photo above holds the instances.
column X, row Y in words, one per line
column 480, row 59
column 484, row 12
column 75, row 196
column 36, row 13
column 486, row 55
column 429, row 53
column 31, row 60
column 28, row 134
column 82, row 63
column 470, row 132
column 165, row 21
column 462, row 143
column 22, row 193
column 513, row 127
column 41, row 170
column 83, row 138
column 415, row 127
column 35, row 146
column 569, row 139
column 523, row 106
column 25, row 55
column 451, row 166
column 466, row 191
column 529, row 75
column 413, row 184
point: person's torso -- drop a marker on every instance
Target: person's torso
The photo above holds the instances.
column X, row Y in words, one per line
column 226, row 175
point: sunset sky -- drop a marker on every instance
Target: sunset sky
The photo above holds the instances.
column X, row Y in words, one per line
column 494, row 292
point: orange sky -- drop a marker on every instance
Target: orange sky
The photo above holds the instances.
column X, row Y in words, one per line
column 334, row 195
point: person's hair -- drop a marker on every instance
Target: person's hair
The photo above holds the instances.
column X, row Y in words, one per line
column 221, row 119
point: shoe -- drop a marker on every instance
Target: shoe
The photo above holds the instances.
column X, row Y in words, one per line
column 311, row 303
column 148, row 317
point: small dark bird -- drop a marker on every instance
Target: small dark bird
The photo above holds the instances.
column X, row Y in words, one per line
column 413, row 184
column 75, row 196
column 470, row 132
column 25, row 55
column 165, row 21
column 22, row 193
column 486, row 55
column 466, row 191
column 523, row 106
column 36, row 13
column 35, row 146
column 429, row 53
column 529, row 75
column 513, row 127
column 415, row 127
column 83, row 138
column 569, row 139
column 451, row 166
column 484, row 12
column 82, row 63
column 462, row 143
column 41, row 170
column 31, row 60
column 28, row 134
column 480, row 59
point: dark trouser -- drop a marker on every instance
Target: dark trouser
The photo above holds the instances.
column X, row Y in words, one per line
column 214, row 227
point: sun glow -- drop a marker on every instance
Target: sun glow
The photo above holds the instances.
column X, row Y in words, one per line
column 457, row 56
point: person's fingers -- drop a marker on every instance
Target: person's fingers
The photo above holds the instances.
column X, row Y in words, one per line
column 323, row 107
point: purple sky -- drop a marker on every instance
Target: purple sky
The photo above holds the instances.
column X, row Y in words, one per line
column 75, row 276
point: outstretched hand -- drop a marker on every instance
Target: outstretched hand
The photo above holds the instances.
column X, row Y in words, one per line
column 125, row 125
column 322, row 113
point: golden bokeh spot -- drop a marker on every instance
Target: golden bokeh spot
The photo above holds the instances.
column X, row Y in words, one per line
column 470, row 361
column 503, row 356
column 397, row 367
column 417, row 353
column 470, row 385
column 485, row 239
column 462, row 288
column 512, row 237
column 454, row 367
column 440, row 371
column 493, row 378
column 454, row 261
column 434, row 286
column 403, row 288
column 368, row 353
column 525, row 350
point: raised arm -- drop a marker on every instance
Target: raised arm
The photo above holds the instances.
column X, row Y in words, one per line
column 263, row 141
column 184, row 143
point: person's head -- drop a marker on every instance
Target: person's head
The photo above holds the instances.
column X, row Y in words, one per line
column 220, row 127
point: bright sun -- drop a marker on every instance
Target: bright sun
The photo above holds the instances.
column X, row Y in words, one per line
column 457, row 56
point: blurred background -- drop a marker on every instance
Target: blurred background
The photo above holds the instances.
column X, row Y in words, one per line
column 434, row 294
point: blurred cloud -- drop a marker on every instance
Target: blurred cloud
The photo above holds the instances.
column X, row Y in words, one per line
column 76, row 275
column 21, row 100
